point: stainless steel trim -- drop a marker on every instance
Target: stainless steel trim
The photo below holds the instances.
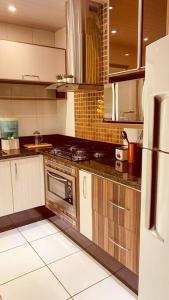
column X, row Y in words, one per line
column 60, row 167
column 118, row 206
column 56, row 177
column 34, row 76
column 140, row 30
column 118, row 245
column 84, row 187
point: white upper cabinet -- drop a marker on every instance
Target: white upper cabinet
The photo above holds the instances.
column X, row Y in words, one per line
column 6, row 201
column 28, row 183
column 30, row 62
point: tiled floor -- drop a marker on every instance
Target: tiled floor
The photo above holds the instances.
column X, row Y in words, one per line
column 38, row 262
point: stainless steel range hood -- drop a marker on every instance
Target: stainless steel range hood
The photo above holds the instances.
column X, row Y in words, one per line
column 83, row 26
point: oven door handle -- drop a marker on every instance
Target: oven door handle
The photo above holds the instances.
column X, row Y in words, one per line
column 56, row 177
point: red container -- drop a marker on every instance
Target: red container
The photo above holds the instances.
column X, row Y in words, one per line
column 132, row 150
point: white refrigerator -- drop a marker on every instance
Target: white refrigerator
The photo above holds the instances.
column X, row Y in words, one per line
column 154, row 236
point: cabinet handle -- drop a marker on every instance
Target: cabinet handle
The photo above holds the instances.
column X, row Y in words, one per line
column 84, row 187
column 118, row 206
column 16, row 170
column 34, row 76
column 118, row 245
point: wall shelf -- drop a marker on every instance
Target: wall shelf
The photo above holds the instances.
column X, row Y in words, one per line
column 28, row 90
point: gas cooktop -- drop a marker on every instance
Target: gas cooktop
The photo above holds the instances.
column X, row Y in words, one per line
column 76, row 153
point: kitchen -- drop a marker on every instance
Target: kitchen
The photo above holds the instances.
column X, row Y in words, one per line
column 78, row 218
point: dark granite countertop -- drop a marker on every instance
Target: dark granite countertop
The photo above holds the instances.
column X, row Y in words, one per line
column 105, row 167
column 18, row 153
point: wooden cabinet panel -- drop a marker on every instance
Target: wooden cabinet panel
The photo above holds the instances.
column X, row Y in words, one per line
column 154, row 24
column 123, row 206
column 124, row 246
column 6, row 201
column 116, row 220
column 100, row 231
column 119, row 203
column 99, row 190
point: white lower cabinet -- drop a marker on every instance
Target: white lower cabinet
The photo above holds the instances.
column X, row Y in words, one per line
column 21, row 184
column 85, row 184
column 27, row 182
column 6, row 200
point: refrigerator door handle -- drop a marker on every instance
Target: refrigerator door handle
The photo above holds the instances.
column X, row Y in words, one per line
column 114, row 103
column 151, row 207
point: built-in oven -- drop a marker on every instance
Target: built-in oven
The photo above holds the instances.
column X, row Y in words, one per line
column 60, row 181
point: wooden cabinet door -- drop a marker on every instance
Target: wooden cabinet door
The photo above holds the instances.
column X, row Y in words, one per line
column 123, row 206
column 123, row 35
column 85, row 185
column 28, row 183
column 6, row 201
column 154, row 23
column 116, row 220
column 118, row 203
column 99, row 194
column 100, row 231
column 124, row 246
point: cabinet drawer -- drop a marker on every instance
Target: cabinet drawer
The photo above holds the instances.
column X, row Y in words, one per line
column 124, row 246
column 100, row 230
column 122, row 195
column 129, row 218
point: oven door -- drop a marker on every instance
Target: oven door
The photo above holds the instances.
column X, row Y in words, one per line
column 60, row 189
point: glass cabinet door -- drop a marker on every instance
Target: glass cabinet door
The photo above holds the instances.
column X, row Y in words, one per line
column 154, row 23
column 123, row 35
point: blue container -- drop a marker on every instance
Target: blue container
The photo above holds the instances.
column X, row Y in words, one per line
column 9, row 129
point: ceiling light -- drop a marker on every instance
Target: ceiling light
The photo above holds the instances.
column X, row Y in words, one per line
column 111, row 7
column 126, row 54
column 114, row 31
column 146, row 39
column 12, row 8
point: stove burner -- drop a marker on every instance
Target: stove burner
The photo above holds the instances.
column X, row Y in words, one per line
column 98, row 154
column 77, row 153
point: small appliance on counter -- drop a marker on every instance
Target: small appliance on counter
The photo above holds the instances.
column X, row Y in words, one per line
column 9, row 134
column 121, row 153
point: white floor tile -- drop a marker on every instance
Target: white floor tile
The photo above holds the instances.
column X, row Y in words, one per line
column 37, row 285
column 17, row 262
column 108, row 289
column 54, row 247
column 77, row 272
column 38, row 230
column 11, row 239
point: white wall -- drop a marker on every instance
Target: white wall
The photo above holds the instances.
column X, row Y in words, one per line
column 43, row 115
column 60, row 41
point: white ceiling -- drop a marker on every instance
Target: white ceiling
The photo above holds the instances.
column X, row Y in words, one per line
column 44, row 14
